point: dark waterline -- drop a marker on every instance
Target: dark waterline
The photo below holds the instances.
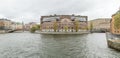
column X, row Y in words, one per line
column 28, row 45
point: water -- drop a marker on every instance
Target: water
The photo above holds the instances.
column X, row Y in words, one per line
column 28, row 45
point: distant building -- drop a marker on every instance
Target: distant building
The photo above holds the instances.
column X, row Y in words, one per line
column 113, row 29
column 2, row 24
column 16, row 26
column 5, row 24
column 32, row 24
column 62, row 21
column 29, row 25
column 101, row 24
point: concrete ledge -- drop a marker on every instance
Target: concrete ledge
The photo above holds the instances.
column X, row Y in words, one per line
column 115, row 44
column 2, row 31
column 85, row 32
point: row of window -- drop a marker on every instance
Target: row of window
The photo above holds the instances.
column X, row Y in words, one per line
column 59, row 27
column 117, row 31
column 59, row 24
column 54, row 18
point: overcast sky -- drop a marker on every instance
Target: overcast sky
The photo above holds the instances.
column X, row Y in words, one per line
column 31, row 10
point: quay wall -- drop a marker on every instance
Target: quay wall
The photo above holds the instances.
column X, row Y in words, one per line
column 115, row 44
column 85, row 32
column 2, row 31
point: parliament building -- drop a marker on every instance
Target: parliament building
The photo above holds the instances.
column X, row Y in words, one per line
column 62, row 23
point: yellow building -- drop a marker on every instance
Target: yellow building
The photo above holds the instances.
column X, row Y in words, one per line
column 5, row 24
column 112, row 27
column 1, row 24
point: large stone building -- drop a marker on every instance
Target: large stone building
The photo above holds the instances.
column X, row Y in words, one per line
column 63, row 22
column 113, row 29
column 100, row 24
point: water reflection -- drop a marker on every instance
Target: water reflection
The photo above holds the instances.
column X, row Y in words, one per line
column 27, row 45
column 77, row 46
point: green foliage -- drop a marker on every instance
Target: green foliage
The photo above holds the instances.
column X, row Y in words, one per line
column 66, row 28
column 117, row 21
column 76, row 26
column 38, row 26
column 86, row 28
column 91, row 26
column 33, row 29
column 55, row 26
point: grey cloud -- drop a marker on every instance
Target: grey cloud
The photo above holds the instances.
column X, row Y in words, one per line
column 31, row 10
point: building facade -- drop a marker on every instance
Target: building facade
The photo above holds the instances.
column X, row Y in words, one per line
column 30, row 25
column 17, row 26
column 5, row 24
column 1, row 24
column 100, row 24
column 112, row 27
column 62, row 22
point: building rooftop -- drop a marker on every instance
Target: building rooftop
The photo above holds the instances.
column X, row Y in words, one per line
column 59, row 17
column 5, row 19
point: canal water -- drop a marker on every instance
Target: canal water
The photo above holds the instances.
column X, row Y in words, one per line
column 28, row 45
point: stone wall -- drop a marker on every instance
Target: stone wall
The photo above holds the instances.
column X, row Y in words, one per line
column 112, row 43
column 2, row 31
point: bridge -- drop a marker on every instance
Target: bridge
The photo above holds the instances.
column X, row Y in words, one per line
column 11, row 31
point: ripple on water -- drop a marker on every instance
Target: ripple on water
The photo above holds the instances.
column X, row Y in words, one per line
column 28, row 45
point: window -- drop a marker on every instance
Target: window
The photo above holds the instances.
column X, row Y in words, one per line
column 117, row 31
column 81, row 18
column 68, row 27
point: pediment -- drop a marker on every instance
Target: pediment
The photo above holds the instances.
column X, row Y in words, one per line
column 65, row 20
